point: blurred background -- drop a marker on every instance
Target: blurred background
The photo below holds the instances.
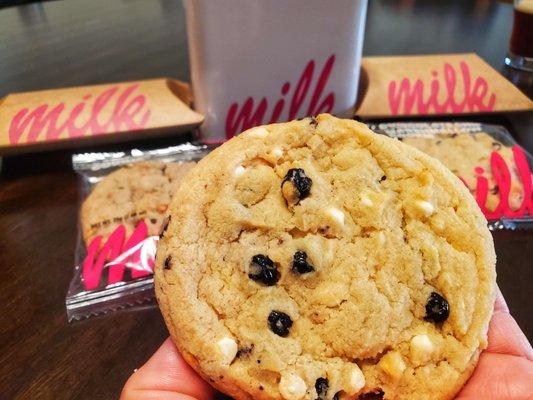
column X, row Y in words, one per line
column 67, row 36
column 62, row 43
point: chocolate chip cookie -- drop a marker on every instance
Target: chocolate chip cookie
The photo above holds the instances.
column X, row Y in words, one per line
column 136, row 192
column 317, row 260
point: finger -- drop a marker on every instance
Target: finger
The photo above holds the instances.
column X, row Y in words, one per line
column 166, row 376
column 505, row 336
column 500, row 305
column 499, row 376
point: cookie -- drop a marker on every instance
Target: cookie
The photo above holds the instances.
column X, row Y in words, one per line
column 317, row 260
column 136, row 192
column 466, row 153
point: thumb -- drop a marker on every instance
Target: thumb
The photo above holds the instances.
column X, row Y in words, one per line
column 166, row 376
column 505, row 336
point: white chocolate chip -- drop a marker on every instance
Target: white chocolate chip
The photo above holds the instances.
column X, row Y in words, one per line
column 277, row 153
column 421, row 348
column 239, row 171
column 366, row 202
column 381, row 238
column 426, row 207
column 354, row 380
column 392, row 364
column 337, row 214
column 228, row 348
column 259, row 132
column 292, row 387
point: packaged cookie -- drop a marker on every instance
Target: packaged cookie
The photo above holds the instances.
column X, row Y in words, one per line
column 496, row 170
column 124, row 200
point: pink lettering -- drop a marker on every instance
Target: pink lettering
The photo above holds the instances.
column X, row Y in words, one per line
column 239, row 118
column 503, row 179
column 43, row 121
column 407, row 97
column 118, row 255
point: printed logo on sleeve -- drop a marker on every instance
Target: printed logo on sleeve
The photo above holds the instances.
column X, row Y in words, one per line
column 136, row 253
column 502, row 177
column 127, row 111
column 407, row 97
column 250, row 114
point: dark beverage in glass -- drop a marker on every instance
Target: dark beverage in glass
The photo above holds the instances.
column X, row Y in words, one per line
column 521, row 45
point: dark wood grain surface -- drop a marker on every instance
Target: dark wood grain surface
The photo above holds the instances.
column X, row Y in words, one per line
column 74, row 42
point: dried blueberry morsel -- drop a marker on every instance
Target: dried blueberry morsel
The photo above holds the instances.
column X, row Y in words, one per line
column 321, row 387
column 300, row 264
column 376, row 394
column 263, row 270
column 437, row 308
column 168, row 262
column 296, row 186
column 279, row 323
column 337, row 396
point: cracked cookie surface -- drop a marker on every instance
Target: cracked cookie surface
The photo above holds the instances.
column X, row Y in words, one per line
column 371, row 277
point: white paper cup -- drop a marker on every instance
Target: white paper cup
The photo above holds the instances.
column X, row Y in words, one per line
column 263, row 61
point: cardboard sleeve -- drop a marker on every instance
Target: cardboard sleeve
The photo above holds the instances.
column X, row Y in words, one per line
column 447, row 84
column 68, row 117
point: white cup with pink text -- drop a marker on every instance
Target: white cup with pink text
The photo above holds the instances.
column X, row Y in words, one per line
column 255, row 62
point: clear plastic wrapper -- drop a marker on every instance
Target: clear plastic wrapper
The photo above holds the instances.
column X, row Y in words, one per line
column 115, row 255
column 496, row 170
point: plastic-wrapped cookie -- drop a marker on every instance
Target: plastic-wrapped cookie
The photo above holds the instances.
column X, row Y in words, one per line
column 128, row 195
column 466, row 154
column 317, row 260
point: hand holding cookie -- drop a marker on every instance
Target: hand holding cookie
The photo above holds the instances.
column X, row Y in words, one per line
column 315, row 259
column 504, row 372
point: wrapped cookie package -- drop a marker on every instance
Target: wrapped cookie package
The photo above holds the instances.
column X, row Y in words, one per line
column 486, row 158
column 124, row 199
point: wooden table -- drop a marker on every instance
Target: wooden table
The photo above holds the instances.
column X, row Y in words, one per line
column 81, row 42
